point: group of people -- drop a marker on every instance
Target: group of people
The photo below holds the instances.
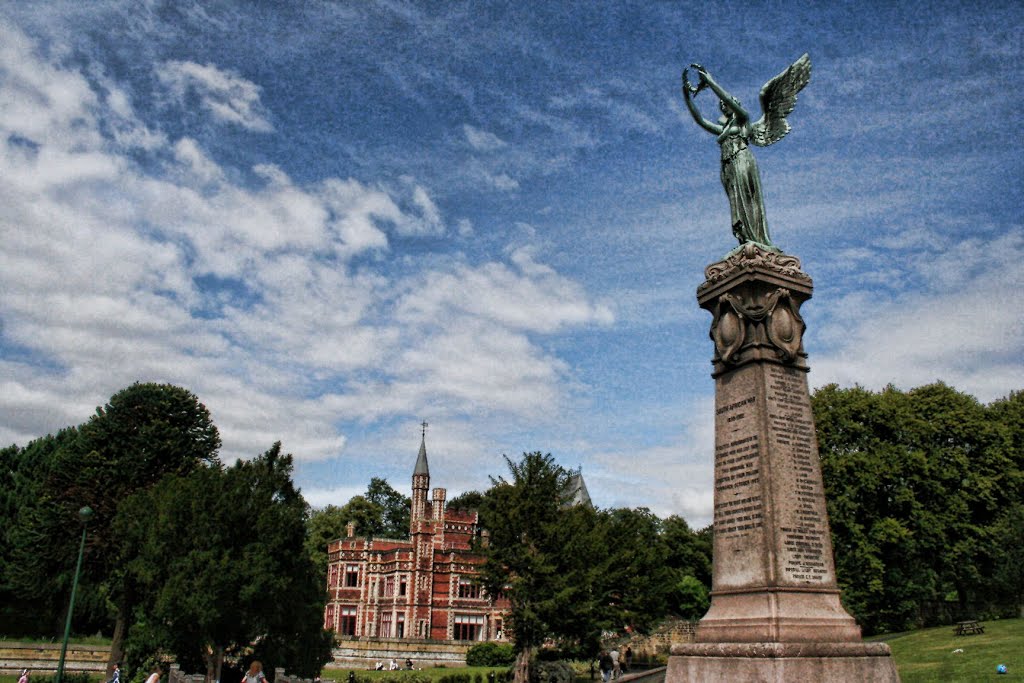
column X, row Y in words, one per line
column 393, row 665
column 613, row 664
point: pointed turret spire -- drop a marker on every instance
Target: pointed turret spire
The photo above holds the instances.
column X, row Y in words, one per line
column 421, row 458
column 578, row 490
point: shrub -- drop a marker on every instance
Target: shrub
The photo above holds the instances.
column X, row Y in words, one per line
column 490, row 654
column 68, row 678
column 551, row 672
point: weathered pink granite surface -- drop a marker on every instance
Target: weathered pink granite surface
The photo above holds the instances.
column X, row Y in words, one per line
column 775, row 612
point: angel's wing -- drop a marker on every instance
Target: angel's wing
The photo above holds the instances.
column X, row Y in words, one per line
column 778, row 97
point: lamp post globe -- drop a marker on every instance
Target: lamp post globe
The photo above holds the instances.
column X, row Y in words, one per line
column 84, row 515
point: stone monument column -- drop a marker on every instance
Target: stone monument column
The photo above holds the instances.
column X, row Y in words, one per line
column 775, row 613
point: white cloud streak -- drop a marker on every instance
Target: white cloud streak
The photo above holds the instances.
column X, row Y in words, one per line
column 228, row 96
column 249, row 295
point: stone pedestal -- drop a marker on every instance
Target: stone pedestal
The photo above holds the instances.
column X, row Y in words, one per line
column 775, row 613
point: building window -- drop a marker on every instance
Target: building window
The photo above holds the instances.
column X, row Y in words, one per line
column 385, row 625
column 352, row 575
column 468, row 589
column 402, row 586
column 497, row 630
column 329, row 617
column 400, row 627
column 347, row 623
column 468, row 627
column 389, row 586
column 334, row 576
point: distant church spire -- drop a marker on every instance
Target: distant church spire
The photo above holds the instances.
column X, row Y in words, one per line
column 421, row 458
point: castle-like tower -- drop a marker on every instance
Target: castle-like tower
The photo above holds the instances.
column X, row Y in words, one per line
column 417, row 588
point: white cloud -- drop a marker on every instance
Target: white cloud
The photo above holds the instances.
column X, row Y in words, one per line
column 226, row 94
column 675, row 478
column 962, row 326
column 246, row 294
column 482, row 140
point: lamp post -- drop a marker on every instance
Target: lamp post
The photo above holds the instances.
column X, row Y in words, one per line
column 84, row 515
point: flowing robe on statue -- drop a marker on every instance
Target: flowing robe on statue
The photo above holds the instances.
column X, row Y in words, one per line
column 742, row 184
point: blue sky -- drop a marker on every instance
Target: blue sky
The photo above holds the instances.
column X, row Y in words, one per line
column 332, row 221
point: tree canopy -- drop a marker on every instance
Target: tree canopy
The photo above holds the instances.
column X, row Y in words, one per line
column 217, row 559
column 144, row 432
column 921, row 486
column 570, row 572
column 164, row 508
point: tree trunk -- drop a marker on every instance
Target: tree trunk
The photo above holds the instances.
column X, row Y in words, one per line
column 210, row 657
column 522, row 667
column 117, row 642
column 220, row 662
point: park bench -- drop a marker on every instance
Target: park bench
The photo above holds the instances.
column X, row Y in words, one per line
column 967, row 628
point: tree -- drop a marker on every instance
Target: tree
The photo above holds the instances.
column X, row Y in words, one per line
column 570, row 572
column 525, row 558
column 323, row 526
column 469, row 500
column 32, row 600
column 217, row 558
column 144, row 432
column 396, row 509
column 689, row 556
column 915, row 483
column 690, row 597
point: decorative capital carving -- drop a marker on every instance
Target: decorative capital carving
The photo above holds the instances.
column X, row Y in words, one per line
column 749, row 257
column 764, row 319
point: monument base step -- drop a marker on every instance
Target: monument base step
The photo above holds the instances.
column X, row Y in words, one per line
column 781, row 663
column 777, row 615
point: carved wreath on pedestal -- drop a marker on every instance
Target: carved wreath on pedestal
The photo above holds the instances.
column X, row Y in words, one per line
column 777, row 313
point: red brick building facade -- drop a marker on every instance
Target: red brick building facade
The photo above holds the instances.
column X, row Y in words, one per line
column 420, row 587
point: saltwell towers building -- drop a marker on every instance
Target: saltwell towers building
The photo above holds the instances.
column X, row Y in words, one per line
column 420, row 587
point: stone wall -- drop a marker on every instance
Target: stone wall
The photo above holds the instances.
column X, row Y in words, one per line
column 44, row 657
column 365, row 652
column 657, row 643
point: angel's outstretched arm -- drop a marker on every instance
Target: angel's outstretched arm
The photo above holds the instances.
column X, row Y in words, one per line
column 709, row 126
column 742, row 115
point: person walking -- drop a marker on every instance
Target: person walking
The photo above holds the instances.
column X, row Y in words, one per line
column 24, row 676
column 616, row 670
column 604, row 662
column 154, row 676
column 629, row 658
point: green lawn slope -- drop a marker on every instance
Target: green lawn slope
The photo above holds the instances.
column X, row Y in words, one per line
column 930, row 654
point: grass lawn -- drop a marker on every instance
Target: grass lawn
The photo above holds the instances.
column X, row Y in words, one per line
column 928, row 655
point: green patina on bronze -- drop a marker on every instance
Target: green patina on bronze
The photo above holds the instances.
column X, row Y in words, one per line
column 735, row 133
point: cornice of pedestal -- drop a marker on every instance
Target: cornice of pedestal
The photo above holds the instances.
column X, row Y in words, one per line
column 751, row 261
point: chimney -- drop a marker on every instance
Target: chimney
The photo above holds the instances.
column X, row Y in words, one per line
column 438, row 496
column 350, row 529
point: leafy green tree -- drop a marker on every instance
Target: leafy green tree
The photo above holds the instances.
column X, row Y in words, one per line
column 396, row 509
column 31, row 601
column 691, row 598
column 468, row 500
column 689, row 557
column 526, row 558
column 144, row 432
column 570, row 572
column 1007, row 539
column 915, row 482
column 218, row 560
column 323, row 526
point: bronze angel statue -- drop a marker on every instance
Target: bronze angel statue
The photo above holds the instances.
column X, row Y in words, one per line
column 736, row 132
